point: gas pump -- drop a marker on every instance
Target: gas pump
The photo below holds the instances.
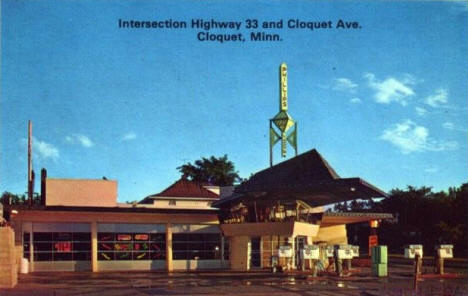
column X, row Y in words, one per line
column 311, row 253
column 355, row 253
column 442, row 252
column 415, row 252
column 330, row 254
column 286, row 252
column 342, row 252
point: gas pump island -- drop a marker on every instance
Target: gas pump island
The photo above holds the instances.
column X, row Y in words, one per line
column 276, row 217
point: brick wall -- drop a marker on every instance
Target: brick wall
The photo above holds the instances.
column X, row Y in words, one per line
column 8, row 261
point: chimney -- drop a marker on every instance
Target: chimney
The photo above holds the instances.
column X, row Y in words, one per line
column 43, row 186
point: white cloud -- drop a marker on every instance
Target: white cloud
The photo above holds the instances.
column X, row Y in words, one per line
column 345, row 84
column 420, row 111
column 431, row 170
column 129, row 136
column 410, row 137
column 83, row 140
column 355, row 100
column 440, row 97
column 42, row 149
column 448, row 125
column 391, row 89
column 45, row 150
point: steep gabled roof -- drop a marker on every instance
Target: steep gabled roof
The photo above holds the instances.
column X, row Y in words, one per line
column 302, row 169
column 306, row 177
column 183, row 188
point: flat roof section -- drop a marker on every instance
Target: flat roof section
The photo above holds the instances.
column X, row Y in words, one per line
column 117, row 209
column 330, row 218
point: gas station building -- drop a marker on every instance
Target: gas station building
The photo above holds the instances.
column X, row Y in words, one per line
column 188, row 226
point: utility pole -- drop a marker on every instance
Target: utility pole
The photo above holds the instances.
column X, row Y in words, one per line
column 30, row 171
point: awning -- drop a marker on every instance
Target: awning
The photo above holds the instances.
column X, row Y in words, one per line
column 330, row 218
column 288, row 229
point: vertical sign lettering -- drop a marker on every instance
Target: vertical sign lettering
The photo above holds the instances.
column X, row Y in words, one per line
column 284, row 87
column 283, row 144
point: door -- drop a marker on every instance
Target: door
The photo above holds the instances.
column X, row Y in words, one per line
column 300, row 242
column 255, row 252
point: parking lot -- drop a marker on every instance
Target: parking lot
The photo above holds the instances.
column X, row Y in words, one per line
column 399, row 282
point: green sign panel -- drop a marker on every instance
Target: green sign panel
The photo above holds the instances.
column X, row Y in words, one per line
column 283, row 121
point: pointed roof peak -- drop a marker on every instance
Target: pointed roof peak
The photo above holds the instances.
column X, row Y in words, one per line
column 311, row 163
column 331, row 170
column 304, row 168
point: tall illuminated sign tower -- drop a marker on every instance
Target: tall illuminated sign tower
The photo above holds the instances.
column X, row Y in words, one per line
column 283, row 121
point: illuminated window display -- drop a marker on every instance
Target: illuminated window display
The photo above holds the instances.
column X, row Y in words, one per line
column 60, row 246
column 131, row 246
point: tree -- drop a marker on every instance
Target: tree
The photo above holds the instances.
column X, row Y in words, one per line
column 426, row 217
column 18, row 199
column 214, row 170
column 14, row 199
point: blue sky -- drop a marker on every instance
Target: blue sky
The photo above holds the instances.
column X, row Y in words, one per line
column 386, row 102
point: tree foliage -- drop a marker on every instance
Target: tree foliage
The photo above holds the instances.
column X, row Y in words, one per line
column 214, row 170
column 18, row 199
column 422, row 217
column 11, row 198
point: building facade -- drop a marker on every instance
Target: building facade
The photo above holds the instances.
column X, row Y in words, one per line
column 80, row 226
column 85, row 231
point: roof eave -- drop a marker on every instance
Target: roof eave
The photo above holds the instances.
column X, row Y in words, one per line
column 329, row 192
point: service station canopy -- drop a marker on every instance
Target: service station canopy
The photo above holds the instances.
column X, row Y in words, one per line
column 307, row 177
column 330, row 218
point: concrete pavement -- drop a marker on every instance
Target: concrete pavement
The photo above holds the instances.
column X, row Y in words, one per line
column 399, row 282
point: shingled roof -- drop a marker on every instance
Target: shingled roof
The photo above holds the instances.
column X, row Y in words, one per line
column 308, row 177
column 183, row 188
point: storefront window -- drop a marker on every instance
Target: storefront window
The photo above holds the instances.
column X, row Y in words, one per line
column 131, row 246
column 59, row 246
column 26, row 244
column 196, row 246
